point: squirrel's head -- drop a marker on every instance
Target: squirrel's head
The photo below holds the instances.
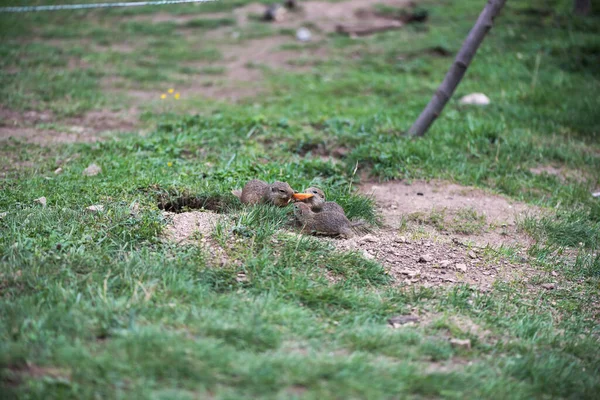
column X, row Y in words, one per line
column 318, row 197
column 281, row 193
column 301, row 209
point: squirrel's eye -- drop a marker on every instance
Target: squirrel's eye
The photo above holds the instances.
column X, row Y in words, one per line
column 281, row 191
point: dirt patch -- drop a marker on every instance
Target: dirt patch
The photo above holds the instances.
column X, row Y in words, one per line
column 197, row 227
column 426, row 255
column 184, row 226
column 90, row 127
column 434, row 261
column 498, row 215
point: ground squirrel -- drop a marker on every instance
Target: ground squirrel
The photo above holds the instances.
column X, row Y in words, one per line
column 325, row 222
column 317, row 203
column 257, row 191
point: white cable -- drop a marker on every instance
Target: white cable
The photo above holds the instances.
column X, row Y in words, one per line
column 97, row 5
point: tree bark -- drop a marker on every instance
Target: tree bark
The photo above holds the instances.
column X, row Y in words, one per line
column 458, row 68
column 582, row 7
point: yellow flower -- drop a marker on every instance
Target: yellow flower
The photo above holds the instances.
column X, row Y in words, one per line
column 176, row 96
column 171, row 90
column 163, row 96
column 170, row 164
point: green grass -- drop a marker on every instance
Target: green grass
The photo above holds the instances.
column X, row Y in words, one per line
column 100, row 305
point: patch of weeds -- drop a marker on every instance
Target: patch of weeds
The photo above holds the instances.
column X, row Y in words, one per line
column 570, row 228
column 468, row 221
column 435, row 218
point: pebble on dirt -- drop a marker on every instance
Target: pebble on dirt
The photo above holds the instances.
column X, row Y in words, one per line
column 92, row 170
column 95, row 208
column 369, row 238
column 425, row 258
column 461, row 267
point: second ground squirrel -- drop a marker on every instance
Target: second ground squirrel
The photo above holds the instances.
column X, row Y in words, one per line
column 317, row 203
column 330, row 223
column 257, row 191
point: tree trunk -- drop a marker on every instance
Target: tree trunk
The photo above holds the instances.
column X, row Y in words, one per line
column 458, row 68
column 582, row 7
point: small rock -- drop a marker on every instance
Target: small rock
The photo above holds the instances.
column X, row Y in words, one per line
column 410, row 273
column 477, row 99
column 554, row 273
column 425, row 258
column 549, row 286
column 472, row 254
column 92, row 170
column 3, row 214
column 369, row 238
column 367, row 255
column 461, row 267
column 597, row 194
column 461, row 343
column 445, row 263
column 303, row 35
column 401, row 239
column 58, row 170
column 241, row 277
column 394, row 207
column 399, row 320
column 95, row 208
column 41, row 200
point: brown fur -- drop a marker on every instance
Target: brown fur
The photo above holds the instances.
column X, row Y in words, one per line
column 317, row 203
column 257, row 191
column 324, row 222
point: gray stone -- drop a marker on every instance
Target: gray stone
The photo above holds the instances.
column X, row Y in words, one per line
column 41, row 200
column 461, row 267
column 475, row 99
column 92, row 170
column 426, row 258
column 303, row 34
column 95, row 208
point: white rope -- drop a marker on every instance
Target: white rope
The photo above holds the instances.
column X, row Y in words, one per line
column 97, row 5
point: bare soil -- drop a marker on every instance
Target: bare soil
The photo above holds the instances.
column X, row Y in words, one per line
column 89, row 127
